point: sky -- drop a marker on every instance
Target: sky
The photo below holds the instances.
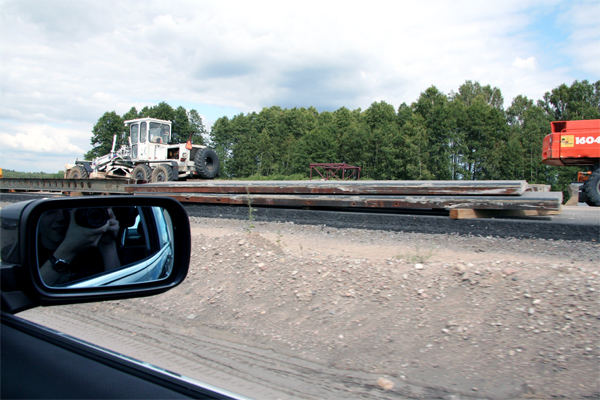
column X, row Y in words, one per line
column 64, row 63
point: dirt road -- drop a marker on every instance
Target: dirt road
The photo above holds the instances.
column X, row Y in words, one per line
column 277, row 310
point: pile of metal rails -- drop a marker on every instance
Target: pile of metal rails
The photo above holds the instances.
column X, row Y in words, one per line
column 463, row 199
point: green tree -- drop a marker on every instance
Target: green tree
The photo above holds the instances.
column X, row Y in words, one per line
column 271, row 140
column 484, row 126
column 404, row 114
column 457, row 142
column 160, row 111
column 221, row 139
column 295, row 123
column 351, row 137
column 510, row 157
column 530, row 123
column 414, row 150
column 243, row 159
column 381, row 121
column 470, row 91
column 197, row 126
column 432, row 106
column 579, row 101
column 482, row 130
column 317, row 146
column 181, row 128
column 131, row 114
column 109, row 124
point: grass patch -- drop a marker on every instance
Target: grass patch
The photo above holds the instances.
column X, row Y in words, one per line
column 293, row 177
column 8, row 173
column 418, row 256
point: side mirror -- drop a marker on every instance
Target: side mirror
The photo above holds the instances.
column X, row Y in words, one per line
column 59, row 251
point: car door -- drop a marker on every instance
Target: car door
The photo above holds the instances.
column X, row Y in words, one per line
column 38, row 362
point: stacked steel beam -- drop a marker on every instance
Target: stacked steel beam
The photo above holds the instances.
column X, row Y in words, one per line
column 449, row 195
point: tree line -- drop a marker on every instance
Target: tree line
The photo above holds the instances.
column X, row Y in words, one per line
column 464, row 135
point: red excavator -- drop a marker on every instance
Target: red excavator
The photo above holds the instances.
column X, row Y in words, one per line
column 577, row 143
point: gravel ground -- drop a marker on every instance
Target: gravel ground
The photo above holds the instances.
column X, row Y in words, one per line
column 466, row 316
column 499, row 317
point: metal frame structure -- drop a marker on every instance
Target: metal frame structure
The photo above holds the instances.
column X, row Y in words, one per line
column 329, row 171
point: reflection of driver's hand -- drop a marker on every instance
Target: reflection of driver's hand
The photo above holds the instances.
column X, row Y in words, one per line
column 112, row 229
column 108, row 242
column 79, row 238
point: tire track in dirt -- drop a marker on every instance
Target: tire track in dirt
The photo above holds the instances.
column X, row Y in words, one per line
column 250, row 371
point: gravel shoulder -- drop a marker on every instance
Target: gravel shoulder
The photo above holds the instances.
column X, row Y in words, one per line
column 352, row 313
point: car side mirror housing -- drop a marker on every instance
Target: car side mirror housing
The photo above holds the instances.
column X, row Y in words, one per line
column 74, row 250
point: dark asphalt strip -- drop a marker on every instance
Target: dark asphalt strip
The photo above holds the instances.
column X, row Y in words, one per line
column 423, row 222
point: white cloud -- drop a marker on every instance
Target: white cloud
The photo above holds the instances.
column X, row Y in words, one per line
column 36, row 147
column 37, row 138
column 528, row 63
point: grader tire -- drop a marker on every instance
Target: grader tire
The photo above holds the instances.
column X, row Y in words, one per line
column 163, row 173
column 206, row 162
column 591, row 188
column 142, row 172
column 78, row 172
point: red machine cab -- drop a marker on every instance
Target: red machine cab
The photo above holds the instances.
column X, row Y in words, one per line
column 572, row 143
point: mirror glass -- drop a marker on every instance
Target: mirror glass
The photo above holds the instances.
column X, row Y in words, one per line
column 104, row 246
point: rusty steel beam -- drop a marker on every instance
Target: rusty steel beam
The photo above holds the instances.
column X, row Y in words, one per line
column 64, row 185
column 475, row 188
column 527, row 201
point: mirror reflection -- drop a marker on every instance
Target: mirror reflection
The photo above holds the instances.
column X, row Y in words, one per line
column 104, row 246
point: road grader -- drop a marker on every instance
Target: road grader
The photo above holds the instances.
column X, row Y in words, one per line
column 149, row 156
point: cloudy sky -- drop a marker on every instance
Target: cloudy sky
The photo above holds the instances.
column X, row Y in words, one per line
column 63, row 63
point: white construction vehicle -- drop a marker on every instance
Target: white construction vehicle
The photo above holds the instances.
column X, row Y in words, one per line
column 149, row 157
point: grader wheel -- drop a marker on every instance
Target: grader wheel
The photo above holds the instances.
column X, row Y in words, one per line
column 207, row 163
column 77, row 172
column 163, row 173
column 591, row 188
column 142, row 172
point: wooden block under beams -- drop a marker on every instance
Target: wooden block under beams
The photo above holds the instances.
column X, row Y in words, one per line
column 468, row 213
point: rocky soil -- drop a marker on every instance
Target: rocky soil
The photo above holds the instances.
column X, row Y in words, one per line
column 456, row 316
